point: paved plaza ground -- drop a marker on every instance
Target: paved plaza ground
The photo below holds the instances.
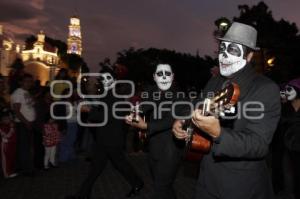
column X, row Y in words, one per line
column 58, row 182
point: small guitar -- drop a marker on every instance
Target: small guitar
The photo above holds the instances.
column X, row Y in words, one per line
column 199, row 143
column 135, row 111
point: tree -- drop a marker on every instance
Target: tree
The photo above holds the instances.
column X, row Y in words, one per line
column 190, row 71
column 105, row 63
column 277, row 39
column 15, row 74
column 60, row 45
column 29, row 41
column 71, row 61
column 84, row 68
column 18, row 64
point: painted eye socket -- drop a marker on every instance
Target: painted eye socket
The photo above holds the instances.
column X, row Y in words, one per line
column 168, row 73
column 222, row 48
column 234, row 49
column 101, row 78
column 289, row 88
column 160, row 73
column 109, row 77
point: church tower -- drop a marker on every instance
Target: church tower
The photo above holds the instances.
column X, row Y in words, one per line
column 74, row 37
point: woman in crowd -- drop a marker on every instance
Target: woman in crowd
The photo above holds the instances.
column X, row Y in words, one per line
column 8, row 145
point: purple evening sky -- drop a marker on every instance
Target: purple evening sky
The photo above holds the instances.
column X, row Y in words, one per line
column 109, row 26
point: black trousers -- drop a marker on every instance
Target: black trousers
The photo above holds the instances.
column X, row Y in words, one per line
column 291, row 165
column 163, row 168
column 118, row 159
column 296, row 161
column 233, row 184
column 39, row 149
column 24, row 148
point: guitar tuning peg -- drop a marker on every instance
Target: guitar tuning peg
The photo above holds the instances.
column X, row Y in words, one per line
column 222, row 114
column 232, row 109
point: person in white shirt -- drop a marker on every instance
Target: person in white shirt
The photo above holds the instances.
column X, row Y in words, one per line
column 23, row 106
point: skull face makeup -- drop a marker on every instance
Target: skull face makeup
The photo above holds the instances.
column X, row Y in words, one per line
column 231, row 58
column 283, row 95
column 290, row 93
column 107, row 81
column 163, row 76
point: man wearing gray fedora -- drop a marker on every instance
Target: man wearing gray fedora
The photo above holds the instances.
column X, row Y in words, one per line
column 235, row 167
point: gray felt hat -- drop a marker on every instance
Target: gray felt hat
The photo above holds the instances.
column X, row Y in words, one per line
column 242, row 34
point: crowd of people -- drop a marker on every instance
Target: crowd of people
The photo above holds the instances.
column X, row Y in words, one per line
column 32, row 139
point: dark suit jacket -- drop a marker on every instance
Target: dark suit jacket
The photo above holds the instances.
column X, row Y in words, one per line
column 236, row 162
column 113, row 133
column 159, row 130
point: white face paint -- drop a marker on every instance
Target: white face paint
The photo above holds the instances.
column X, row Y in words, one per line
column 290, row 93
column 163, row 76
column 231, row 58
column 107, row 81
column 283, row 95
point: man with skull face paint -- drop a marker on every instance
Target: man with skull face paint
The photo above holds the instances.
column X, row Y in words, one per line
column 164, row 150
column 235, row 167
column 286, row 143
column 163, row 77
column 109, row 143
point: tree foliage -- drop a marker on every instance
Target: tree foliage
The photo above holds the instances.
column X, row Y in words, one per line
column 18, row 64
column 277, row 38
column 72, row 61
column 190, row 71
column 60, row 45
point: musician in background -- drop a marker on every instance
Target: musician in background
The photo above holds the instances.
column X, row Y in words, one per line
column 286, row 144
column 235, row 168
column 164, row 149
column 109, row 142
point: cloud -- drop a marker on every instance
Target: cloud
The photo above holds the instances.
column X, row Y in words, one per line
column 109, row 26
column 38, row 4
column 16, row 10
column 21, row 29
column 21, row 18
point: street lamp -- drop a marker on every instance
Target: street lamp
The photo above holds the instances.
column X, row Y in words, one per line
column 270, row 62
column 222, row 24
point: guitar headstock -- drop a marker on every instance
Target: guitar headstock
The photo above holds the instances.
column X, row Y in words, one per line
column 135, row 110
column 223, row 100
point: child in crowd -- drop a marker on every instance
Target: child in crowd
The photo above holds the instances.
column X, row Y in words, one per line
column 66, row 148
column 8, row 143
column 51, row 138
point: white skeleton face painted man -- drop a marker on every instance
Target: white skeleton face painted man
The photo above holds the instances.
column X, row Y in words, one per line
column 290, row 93
column 107, row 80
column 163, row 76
column 231, row 58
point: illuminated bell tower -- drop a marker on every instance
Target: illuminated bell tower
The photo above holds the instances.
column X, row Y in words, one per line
column 74, row 37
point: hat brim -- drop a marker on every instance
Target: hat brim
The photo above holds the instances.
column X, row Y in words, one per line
column 238, row 42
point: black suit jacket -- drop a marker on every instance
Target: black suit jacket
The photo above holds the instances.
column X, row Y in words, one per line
column 236, row 162
column 113, row 133
column 159, row 129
